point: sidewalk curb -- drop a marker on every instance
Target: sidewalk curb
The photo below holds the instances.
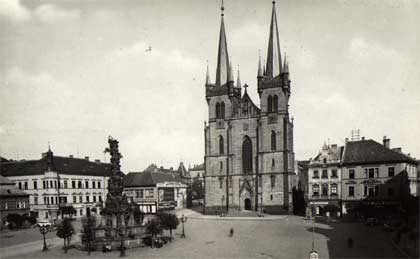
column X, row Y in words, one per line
column 238, row 218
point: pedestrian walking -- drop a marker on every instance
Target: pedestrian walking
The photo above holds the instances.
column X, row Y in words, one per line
column 231, row 232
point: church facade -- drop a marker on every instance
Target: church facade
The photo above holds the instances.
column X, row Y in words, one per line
column 249, row 157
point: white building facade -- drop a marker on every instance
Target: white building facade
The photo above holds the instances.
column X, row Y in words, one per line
column 53, row 182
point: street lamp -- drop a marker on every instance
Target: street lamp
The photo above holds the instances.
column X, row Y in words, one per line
column 183, row 220
column 313, row 254
column 43, row 228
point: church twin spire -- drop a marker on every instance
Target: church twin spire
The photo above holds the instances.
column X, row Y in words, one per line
column 273, row 66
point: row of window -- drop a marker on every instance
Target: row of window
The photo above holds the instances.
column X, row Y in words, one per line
column 369, row 191
column 369, row 173
column 12, row 205
column 148, row 193
column 372, row 172
column 273, row 143
column 46, row 184
column 325, row 174
column 324, row 189
column 63, row 200
column 272, row 181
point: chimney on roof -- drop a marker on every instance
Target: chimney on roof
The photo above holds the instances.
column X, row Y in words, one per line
column 97, row 161
column 346, row 140
column 363, row 138
column 71, row 156
column 87, row 158
column 386, row 141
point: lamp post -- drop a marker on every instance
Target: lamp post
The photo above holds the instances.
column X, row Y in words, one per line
column 313, row 254
column 183, row 220
column 44, row 230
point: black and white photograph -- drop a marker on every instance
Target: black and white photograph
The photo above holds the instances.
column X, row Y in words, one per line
column 209, row 129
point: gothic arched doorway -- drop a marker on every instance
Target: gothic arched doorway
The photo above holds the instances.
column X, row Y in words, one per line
column 247, row 155
column 247, row 204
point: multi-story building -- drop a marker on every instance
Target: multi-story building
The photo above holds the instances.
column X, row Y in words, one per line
column 12, row 200
column 54, row 181
column 155, row 190
column 375, row 173
column 324, row 179
column 249, row 156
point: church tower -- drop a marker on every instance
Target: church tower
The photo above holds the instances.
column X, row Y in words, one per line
column 248, row 149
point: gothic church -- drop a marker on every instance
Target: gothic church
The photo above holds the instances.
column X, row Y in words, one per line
column 249, row 158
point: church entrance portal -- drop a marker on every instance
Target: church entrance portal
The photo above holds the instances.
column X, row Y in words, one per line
column 247, row 204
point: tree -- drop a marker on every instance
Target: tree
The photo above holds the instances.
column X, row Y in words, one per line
column 169, row 221
column 15, row 220
column 65, row 230
column 154, row 227
column 197, row 188
column 69, row 210
column 138, row 215
column 88, row 231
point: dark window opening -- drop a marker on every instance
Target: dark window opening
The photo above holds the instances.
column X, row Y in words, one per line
column 273, row 141
column 221, row 146
column 270, row 103
column 247, row 155
column 275, row 103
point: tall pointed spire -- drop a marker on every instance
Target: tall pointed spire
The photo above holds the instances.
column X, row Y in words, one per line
column 207, row 74
column 222, row 71
column 231, row 79
column 273, row 54
column 238, row 80
column 260, row 73
column 285, row 65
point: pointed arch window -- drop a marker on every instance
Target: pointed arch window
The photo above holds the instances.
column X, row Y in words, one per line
column 217, row 110
column 273, row 141
column 221, row 146
column 275, row 103
column 270, row 103
column 222, row 110
column 247, row 155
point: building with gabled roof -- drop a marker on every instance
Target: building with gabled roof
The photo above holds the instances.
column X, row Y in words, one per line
column 155, row 190
column 370, row 170
column 324, row 179
column 12, row 200
column 55, row 181
column 249, row 157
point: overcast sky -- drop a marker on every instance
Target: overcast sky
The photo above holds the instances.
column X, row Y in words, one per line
column 74, row 72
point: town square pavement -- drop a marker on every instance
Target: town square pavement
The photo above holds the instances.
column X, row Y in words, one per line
column 271, row 237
